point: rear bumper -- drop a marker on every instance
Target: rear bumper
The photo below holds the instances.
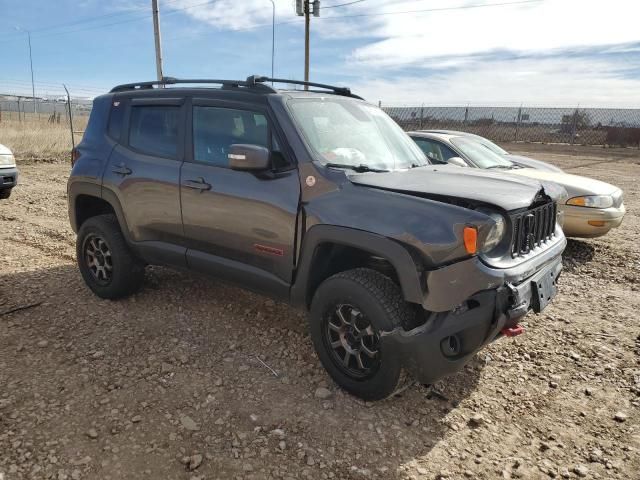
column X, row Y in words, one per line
column 448, row 340
column 8, row 177
column 576, row 220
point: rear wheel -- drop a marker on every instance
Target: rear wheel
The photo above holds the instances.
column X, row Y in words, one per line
column 106, row 263
column 348, row 312
column 4, row 194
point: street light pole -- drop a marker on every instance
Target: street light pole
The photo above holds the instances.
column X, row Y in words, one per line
column 33, row 88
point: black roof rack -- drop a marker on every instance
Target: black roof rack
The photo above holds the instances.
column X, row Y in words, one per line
column 174, row 81
column 254, row 81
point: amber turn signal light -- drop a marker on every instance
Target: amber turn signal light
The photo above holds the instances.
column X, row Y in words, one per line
column 596, row 223
column 470, row 235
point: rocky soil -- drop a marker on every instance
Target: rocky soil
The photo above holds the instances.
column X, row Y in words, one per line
column 194, row 379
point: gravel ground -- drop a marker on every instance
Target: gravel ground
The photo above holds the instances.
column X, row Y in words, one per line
column 176, row 381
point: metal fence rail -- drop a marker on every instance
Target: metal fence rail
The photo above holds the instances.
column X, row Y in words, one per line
column 22, row 110
column 587, row 126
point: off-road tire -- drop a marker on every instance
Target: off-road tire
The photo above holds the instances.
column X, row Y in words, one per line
column 381, row 301
column 6, row 193
column 127, row 272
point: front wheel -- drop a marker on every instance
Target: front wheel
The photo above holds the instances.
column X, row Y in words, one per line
column 348, row 312
column 4, row 194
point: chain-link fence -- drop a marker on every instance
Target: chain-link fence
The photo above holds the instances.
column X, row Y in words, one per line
column 587, row 126
column 21, row 109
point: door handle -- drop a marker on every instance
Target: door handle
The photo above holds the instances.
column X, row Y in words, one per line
column 122, row 170
column 198, row 184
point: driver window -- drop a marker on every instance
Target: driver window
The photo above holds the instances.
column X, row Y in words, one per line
column 216, row 129
column 436, row 152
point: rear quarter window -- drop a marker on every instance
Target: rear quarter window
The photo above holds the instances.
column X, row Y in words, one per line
column 153, row 130
column 116, row 119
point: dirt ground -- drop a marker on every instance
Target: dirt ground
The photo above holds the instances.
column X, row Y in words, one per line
column 173, row 383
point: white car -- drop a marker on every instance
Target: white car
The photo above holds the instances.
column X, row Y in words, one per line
column 517, row 159
column 8, row 172
column 592, row 207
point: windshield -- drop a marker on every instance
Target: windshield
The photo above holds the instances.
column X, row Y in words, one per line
column 480, row 154
column 347, row 133
column 491, row 146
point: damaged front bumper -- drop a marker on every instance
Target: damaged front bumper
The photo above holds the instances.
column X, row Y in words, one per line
column 449, row 339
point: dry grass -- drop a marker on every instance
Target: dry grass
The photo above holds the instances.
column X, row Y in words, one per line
column 34, row 139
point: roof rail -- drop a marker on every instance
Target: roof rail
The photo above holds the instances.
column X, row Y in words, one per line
column 174, row 81
column 257, row 79
column 254, row 81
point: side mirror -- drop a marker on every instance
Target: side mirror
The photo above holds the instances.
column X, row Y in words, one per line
column 457, row 161
column 248, row 157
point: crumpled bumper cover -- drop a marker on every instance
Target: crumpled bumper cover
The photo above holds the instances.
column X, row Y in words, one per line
column 448, row 340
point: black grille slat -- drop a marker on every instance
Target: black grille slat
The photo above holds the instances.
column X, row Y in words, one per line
column 532, row 228
column 540, row 226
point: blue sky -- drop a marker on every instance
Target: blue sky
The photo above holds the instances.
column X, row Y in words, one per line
column 546, row 52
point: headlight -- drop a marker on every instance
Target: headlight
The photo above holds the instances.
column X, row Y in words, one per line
column 7, row 160
column 592, row 201
column 496, row 232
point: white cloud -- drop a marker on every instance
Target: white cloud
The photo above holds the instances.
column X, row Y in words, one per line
column 235, row 14
column 452, row 56
column 530, row 28
column 547, row 81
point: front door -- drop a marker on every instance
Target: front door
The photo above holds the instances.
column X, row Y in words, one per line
column 237, row 224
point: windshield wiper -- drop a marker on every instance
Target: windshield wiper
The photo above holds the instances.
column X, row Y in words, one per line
column 506, row 167
column 356, row 168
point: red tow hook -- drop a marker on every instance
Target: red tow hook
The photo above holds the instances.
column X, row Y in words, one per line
column 512, row 331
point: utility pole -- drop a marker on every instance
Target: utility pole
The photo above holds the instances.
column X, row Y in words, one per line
column 306, row 8
column 273, row 36
column 156, row 35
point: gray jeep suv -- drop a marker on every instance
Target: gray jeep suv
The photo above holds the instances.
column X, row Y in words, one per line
column 319, row 199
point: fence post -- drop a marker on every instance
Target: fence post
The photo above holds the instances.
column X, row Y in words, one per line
column 574, row 125
column 466, row 115
column 518, row 122
column 421, row 116
column 73, row 141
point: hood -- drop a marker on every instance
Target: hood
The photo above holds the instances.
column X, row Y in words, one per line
column 4, row 150
column 575, row 185
column 505, row 191
column 532, row 163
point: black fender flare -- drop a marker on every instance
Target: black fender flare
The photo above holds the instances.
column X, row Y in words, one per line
column 407, row 270
column 79, row 188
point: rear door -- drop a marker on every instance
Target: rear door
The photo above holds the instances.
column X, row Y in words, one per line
column 143, row 171
column 238, row 224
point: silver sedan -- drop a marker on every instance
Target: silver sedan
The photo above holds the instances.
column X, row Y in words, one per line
column 592, row 207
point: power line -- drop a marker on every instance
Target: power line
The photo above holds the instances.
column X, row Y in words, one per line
column 341, row 4
column 94, row 27
column 96, row 18
column 442, row 9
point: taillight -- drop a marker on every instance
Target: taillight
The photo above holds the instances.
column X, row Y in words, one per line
column 75, row 155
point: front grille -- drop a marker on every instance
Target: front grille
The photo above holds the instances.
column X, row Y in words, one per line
column 532, row 228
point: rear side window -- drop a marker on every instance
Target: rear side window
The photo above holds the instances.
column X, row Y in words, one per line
column 116, row 118
column 153, row 130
